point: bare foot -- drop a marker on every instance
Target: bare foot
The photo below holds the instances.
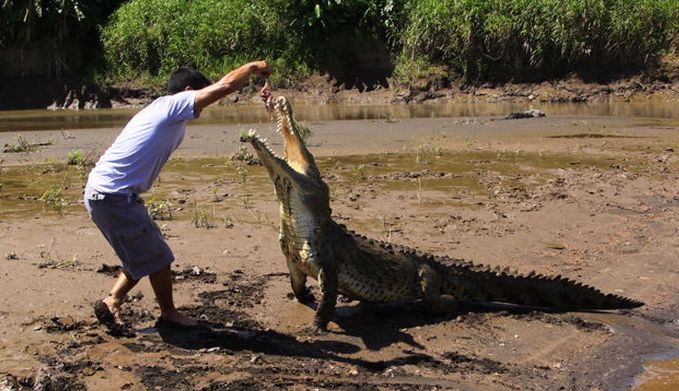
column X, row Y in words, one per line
column 108, row 314
column 180, row 319
column 114, row 306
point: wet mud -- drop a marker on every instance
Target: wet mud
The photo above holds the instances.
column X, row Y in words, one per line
column 594, row 200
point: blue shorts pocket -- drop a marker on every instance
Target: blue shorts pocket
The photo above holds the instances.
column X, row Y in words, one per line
column 142, row 249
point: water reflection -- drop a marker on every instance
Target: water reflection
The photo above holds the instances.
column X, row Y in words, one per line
column 237, row 114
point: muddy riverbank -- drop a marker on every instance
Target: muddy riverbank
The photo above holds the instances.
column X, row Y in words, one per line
column 593, row 198
column 69, row 95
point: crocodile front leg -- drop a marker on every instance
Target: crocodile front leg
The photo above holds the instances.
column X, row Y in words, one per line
column 298, row 283
column 327, row 279
column 297, row 276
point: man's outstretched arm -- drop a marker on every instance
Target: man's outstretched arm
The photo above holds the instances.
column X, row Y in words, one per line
column 232, row 82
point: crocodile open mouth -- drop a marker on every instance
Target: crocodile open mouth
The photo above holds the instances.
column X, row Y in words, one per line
column 296, row 155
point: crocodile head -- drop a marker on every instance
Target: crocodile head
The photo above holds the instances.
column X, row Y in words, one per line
column 301, row 192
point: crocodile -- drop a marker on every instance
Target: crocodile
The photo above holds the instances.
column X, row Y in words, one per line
column 374, row 271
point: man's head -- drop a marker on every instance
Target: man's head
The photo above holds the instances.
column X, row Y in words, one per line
column 186, row 78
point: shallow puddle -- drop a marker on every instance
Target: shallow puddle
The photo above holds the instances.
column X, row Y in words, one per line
column 38, row 191
column 214, row 187
column 660, row 375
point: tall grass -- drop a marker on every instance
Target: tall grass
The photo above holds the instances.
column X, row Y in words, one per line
column 478, row 39
column 534, row 39
column 154, row 37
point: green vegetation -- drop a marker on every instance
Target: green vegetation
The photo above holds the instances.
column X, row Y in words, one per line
column 82, row 161
column 159, row 210
column 54, row 199
column 245, row 155
column 20, row 145
column 151, row 38
column 533, row 39
column 304, row 131
column 62, row 30
column 425, row 40
column 478, row 39
column 201, row 218
column 75, row 157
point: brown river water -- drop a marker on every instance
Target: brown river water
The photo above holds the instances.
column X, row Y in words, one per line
column 660, row 374
column 27, row 120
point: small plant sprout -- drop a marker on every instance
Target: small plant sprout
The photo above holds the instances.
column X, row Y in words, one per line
column 215, row 195
column 425, row 153
column 228, row 222
column 244, row 155
column 159, row 210
column 53, row 199
column 304, row 131
column 469, row 143
column 81, row 160
column 69, row 263
column 386, row 228
column 245, row 199
column 201, row 218
column 390, row 118
column 360, row 171
column 20, row 145
column 502, row 154
column 242, row 173
column 75, row 157
column 46, row 253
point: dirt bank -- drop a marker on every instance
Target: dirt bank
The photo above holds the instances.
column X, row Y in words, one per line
column 663, row 83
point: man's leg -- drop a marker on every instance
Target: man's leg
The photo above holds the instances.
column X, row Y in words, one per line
column 120, row 289
column 161, row 281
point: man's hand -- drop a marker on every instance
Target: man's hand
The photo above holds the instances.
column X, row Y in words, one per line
column 232, row 82
column 260, row 68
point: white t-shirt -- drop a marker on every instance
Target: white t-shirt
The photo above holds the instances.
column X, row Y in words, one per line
column 139, row 152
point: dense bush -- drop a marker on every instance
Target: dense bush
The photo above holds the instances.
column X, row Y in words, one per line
column 153, row 37
column 533, row 39
column 157, row 36
column 479, row 39
column 61, row 29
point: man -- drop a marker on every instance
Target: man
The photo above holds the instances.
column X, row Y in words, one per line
column 129, row 168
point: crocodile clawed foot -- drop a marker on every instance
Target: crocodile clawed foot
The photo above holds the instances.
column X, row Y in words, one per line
column 320, row 327
column 306, row 298
column 315, row 330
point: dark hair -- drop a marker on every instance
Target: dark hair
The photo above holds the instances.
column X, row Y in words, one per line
column 186, row 77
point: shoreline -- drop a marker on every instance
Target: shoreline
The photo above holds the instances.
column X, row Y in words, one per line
column 321, row 89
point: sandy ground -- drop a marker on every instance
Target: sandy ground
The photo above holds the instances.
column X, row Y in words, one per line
column 594, row 199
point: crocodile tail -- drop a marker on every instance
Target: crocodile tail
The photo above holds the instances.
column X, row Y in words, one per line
column 481, row 283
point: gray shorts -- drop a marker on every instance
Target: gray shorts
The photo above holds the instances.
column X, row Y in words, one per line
column 135, row 237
